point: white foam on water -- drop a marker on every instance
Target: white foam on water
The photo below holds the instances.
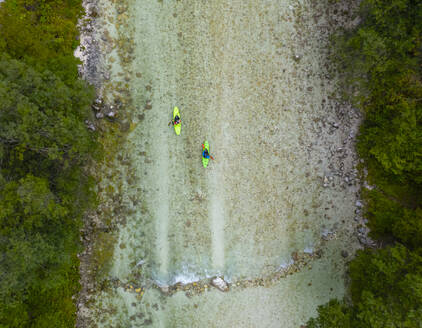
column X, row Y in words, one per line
column 186, row 276
column 285, row 265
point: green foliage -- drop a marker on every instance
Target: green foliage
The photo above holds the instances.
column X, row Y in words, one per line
column 44, row 145
column 332, row 314
column 42, row 116
column 387, row 287
column 391, row 134
column 382, row 58
column 42, row 33
column 408, row 229
column 386, row 292
column 390, row 219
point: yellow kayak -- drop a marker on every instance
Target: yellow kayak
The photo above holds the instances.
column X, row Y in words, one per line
column 207, row 147
column 177, row 127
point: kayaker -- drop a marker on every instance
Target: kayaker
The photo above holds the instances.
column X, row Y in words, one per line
column 176, row 120
column 205, row 153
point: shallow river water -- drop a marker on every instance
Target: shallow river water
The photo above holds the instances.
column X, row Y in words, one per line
column 275, row 209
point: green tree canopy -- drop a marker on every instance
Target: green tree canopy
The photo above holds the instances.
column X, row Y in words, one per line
column 41, row 116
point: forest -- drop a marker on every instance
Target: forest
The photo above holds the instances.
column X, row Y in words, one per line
column 44, row 148
column 382, row 58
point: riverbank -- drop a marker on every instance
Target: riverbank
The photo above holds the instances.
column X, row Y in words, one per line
column 285, row 188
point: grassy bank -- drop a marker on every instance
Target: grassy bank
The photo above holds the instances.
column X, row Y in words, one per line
column 44, row 146
column 383, row 58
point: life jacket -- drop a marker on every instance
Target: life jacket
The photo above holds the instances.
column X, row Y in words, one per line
column 205, row 154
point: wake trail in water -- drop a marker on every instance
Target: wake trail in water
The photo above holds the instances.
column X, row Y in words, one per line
column 216, row 213
column 162, row 221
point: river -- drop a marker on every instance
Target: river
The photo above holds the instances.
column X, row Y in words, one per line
column 274, row 213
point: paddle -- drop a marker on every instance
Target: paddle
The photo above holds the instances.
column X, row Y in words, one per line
column 172, row 122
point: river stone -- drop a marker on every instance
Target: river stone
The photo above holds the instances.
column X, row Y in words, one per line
column 90, row 125
column 111, row 114
column 164, row 289
column 220, row 284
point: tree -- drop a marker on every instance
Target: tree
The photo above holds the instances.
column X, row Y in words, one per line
column 332, row 314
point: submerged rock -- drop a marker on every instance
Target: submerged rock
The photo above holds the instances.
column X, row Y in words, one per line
column 220, row 284
column 165, row 289
column 140, row 263
column 297, row 58
column 326, row 182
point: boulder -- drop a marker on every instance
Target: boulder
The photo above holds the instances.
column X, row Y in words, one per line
column 165, row 289
column 111, row 114
column 220, row 284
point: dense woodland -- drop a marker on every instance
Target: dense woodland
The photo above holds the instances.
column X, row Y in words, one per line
column 44, row 145
column 383, row 60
